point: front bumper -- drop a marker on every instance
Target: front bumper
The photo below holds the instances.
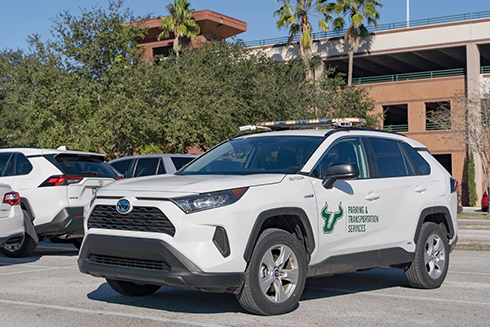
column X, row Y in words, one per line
column 149, row 261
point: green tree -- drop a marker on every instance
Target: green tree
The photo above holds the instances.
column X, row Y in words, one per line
column 354, row 14
column 180, row 23
column 297, row 17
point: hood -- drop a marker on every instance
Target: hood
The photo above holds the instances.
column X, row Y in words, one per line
column 180, row 185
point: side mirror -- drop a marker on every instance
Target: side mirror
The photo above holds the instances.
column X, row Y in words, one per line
column 338, row 173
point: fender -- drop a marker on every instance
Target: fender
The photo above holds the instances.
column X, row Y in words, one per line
column 27, row 206
column 288, row 211
column 434, row 210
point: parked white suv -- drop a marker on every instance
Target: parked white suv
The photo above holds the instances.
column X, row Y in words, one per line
column 11, row 217
column 261, row 212
column 54, row 186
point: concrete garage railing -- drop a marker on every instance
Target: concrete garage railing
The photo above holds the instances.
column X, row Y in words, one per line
column 382, row 27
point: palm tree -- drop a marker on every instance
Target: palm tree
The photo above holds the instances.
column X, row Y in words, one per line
column 354, row 13
column 297, row 18
column 180, row 23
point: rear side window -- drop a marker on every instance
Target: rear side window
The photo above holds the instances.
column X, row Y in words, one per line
column 180, row 162
column 13, row 164
column 423, row 168
column 146, row 167
column 388, row 157
column 22, row 165
column 124, row 167
column 85, row 166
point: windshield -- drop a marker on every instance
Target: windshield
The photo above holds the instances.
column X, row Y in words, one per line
column 256, row 155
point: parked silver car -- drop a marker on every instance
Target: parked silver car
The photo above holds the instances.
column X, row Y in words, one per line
column 151, row 164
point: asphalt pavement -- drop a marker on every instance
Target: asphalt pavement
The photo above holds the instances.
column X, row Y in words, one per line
column 47, row 289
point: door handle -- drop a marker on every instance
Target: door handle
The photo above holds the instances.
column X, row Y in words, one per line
column 420, row 188
column 371, row 196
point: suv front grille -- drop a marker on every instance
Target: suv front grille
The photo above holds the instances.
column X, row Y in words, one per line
column 129, row 262
column 140, row 219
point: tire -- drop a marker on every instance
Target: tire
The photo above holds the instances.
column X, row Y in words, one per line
column 77, row 242
column 429, row 267
column 28, row 243
column 273, row 285
column 131, row 289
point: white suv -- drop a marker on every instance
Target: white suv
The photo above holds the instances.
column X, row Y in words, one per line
column 54, row 186
column 261, row 212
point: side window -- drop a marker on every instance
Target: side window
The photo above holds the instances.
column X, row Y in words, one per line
column 180, row 162
column 161, row 168
column 388, row 157
column 124, row 167
column 4, row 161
column 423, row 168
column 146, row 167
column 348, row 150
column 22, row 166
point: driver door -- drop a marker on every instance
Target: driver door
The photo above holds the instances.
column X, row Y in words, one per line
column 348, row 214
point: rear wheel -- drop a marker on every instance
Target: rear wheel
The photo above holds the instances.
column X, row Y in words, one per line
column 276, row 275
column 132, row 289
column 28, row 243
column 429, row 267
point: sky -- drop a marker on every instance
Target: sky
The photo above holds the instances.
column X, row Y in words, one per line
column 19, row 19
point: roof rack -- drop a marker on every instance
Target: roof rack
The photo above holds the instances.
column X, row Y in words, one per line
column 306, row 123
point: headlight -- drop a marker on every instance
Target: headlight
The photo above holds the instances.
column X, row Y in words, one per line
column 206, row 201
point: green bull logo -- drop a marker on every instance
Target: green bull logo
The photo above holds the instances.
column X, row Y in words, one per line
column 331, row 218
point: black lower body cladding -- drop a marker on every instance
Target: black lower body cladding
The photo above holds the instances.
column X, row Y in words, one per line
column 149, row 261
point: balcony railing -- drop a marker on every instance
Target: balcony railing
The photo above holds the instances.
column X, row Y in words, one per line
column 409, row 76
column 436, row 126
column 396, row 128
column 381, row 27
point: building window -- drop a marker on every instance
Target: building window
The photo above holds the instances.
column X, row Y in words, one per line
column 163, row 51
column 395, row 118
column 446, row 161
column 437, row 115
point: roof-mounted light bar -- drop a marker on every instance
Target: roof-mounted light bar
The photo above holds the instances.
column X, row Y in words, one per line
column 307, row 123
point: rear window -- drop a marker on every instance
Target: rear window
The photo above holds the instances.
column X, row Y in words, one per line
column 180, row 162
column 85, row 166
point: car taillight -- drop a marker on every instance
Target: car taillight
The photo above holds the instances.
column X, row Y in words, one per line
column 454, row 185
column 119, row 178
column 12, row 198
column 61, row 180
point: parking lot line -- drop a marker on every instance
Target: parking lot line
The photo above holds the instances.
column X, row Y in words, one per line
column 398, row 296
column 36, row 270
column 109, row 313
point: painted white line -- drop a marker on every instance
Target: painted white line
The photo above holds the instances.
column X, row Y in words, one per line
column 108, row 313
column 468, row 273
column 35, row 270
column 398, row 296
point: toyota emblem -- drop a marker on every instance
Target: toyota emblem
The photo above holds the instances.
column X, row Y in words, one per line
column 123, row 206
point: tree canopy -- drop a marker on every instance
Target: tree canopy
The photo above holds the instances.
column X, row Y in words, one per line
column 89, row 89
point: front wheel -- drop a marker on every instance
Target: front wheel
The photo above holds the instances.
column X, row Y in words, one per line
column 429, row 267
column 276, row 275
column 28, row 243
column 132, row 289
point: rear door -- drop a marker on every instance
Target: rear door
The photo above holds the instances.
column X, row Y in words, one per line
column 404, row 190
column 86, row 173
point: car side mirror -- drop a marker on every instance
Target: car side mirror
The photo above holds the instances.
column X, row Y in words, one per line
column 339, row 172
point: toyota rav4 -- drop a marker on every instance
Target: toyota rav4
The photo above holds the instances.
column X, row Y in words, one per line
column 261, row 212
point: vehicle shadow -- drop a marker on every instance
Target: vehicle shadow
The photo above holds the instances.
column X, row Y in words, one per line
column 43, row 248
column 188, row 301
